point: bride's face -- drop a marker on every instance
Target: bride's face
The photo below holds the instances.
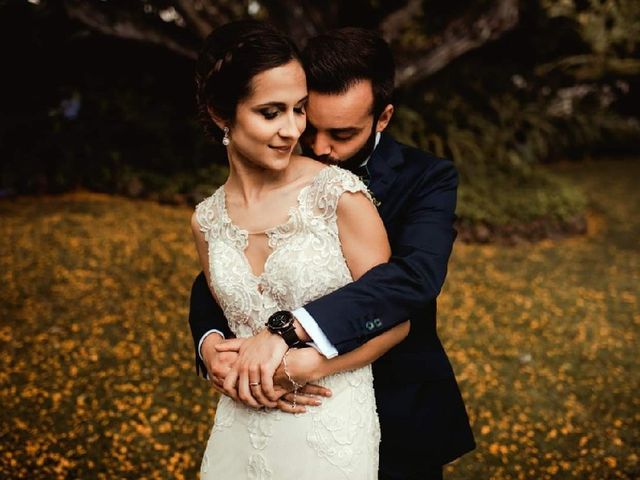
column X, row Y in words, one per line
column 270, row 120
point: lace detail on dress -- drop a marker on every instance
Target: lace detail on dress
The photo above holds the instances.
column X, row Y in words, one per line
column 336, row 433
column 329, row 186
column 204, row 465
column 306, row 262
column 224, row 416
column 260, row 428
column 257, row 468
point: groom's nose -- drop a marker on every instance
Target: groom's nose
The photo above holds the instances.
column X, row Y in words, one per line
column 320, row 145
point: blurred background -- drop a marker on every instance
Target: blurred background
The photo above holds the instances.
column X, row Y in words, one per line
column 102, row 160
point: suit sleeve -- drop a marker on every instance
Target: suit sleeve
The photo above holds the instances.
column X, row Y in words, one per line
column 388, row 294
column 204, row 315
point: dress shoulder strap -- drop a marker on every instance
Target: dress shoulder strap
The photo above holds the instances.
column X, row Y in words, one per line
column 209, row 213
column 329, row 185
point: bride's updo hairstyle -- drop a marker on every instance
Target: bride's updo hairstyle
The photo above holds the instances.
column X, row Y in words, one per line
column 231, row 56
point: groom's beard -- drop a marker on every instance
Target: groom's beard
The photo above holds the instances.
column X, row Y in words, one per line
column 361, row 155
column 351, row 163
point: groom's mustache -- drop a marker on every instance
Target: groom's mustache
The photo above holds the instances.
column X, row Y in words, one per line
column 327, row 159
column 349, row 163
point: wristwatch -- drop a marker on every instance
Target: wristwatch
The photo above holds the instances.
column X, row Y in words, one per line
column 282, row 323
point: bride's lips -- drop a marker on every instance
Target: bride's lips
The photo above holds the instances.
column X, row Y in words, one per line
column 282, row 149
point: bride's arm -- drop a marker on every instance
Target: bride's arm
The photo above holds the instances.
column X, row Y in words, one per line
column 364, row 245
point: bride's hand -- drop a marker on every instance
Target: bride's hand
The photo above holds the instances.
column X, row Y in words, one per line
column 250, row 378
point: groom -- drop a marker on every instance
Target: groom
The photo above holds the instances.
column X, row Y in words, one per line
column 350, row 75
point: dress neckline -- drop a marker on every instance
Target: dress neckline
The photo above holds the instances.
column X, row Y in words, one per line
column 269, row 231
column 241, row 235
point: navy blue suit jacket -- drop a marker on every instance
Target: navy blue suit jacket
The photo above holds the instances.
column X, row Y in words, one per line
column 422, row 415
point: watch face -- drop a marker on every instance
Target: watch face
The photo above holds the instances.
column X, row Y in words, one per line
column 279, row 320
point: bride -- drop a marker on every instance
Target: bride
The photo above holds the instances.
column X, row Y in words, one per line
column 283, row 230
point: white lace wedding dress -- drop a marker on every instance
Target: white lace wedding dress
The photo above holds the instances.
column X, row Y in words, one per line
column 337, row 440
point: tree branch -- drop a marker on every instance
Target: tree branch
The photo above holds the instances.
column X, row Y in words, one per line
column 194, row 17
column 202, row 16
column 125, row 24
column 457, row 39
column 394, row 23
column 300, row 19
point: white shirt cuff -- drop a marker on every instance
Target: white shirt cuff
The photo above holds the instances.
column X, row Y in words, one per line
column 209, row 332
column 320, row 340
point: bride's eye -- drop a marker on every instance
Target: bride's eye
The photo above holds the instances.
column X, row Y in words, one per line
column 301, row 107
column 269, row 113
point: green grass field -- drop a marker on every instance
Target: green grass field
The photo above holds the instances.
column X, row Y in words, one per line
column 96, row 367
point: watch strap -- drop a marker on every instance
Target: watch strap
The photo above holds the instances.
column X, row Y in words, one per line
column 291, row 337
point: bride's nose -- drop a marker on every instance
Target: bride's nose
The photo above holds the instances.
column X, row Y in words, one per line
column 290, row 127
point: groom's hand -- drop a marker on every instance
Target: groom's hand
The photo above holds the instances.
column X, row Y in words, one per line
column 251, row 376
column 217, row 363
column 309, row 395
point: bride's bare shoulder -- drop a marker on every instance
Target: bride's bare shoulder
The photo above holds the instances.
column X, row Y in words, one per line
column 308, row 165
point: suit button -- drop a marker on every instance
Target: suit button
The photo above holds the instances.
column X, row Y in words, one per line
column 369, row 325
column 377, row 322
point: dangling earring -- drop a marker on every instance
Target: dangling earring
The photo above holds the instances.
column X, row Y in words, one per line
column 225, row 140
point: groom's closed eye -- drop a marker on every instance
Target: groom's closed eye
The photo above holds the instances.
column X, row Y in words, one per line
column 344, row 134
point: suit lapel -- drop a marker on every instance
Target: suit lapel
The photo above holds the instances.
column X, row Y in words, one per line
column 382, row 166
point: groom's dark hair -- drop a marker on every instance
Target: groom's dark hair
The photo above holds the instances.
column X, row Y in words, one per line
column 337, row 60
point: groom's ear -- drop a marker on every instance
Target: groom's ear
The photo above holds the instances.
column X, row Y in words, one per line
column 384, row 118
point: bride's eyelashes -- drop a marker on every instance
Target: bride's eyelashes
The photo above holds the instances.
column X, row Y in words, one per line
column 272, row 112
column 301, row 107
column 269, row 114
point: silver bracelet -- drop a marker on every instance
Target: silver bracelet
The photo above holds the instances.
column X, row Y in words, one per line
column 296, row 385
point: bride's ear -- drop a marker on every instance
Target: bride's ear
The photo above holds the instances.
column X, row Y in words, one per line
column 220, row 123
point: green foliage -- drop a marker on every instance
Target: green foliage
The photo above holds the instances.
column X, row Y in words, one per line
column 500, row 117
column 611, row 29
column 500, row 180
column 186, row 186
column 495, row 199
column 608, row 26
